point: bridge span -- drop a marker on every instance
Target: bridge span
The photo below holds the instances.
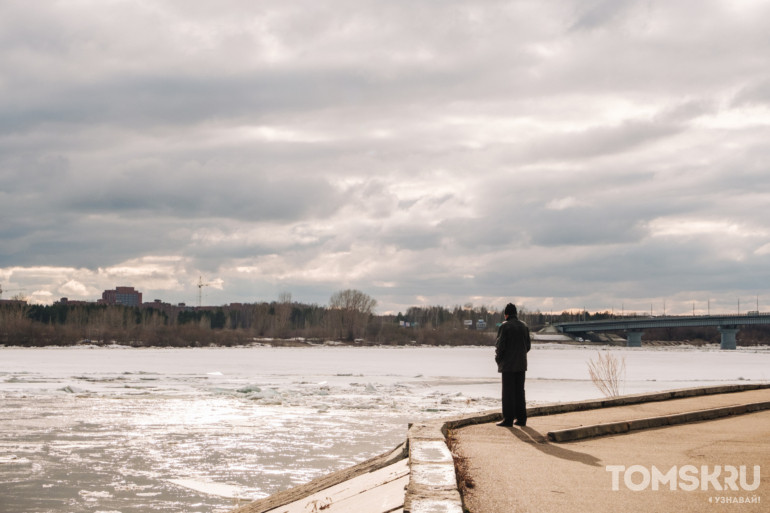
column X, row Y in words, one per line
column 728, row 325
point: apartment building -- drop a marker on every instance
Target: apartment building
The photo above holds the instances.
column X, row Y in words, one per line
column 126, row 296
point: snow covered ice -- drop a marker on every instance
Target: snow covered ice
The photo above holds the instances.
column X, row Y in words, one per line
column 115, row 429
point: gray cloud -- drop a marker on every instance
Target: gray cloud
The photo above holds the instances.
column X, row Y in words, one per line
column 569, row 154
column 597, row 13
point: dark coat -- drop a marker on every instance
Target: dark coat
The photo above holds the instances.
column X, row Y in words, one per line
column 513, row 344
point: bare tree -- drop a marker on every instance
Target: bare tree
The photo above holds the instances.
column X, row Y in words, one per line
column 282, row 314
column 353, row 309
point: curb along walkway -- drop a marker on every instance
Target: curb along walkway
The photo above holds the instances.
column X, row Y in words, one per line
column 519, row 469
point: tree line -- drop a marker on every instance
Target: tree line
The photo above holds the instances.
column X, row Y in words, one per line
column 349, row 317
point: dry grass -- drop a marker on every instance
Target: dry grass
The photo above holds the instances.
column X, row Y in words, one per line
column 608, row 373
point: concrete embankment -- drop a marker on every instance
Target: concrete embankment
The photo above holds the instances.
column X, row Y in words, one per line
column 419, row 476
column 319, row 489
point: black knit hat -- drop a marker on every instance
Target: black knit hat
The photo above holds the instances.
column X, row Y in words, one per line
column 510, row 309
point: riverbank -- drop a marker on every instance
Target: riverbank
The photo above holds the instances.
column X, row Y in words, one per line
column 300, row 342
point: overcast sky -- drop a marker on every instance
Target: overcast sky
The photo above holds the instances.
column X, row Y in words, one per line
column 606, row 154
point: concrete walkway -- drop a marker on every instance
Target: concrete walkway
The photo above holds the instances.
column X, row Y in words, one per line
column 519, row 470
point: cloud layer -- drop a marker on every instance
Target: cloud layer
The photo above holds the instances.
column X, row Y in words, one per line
column 567, row 154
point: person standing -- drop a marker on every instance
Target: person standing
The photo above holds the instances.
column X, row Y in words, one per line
column 511, row 348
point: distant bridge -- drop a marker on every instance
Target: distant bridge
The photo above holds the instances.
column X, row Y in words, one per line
column 728, row 325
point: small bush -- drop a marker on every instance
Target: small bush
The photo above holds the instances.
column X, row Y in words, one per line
column 608, row 373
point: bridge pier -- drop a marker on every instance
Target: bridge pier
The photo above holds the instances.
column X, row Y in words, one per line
column 728, row 337
column 634, row 338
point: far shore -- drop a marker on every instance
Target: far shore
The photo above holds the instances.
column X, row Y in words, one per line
column 614, row 342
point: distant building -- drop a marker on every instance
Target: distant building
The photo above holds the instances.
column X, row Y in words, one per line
column 168, row 308
column 71, row 302
column 125, row 296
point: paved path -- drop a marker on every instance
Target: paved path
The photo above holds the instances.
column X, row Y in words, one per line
column 518, row 470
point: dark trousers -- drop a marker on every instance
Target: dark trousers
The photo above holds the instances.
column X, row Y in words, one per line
column 514, row 402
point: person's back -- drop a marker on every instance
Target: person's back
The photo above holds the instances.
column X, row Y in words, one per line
column 513, row 344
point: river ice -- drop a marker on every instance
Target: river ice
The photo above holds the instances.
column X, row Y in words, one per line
column 116, row 429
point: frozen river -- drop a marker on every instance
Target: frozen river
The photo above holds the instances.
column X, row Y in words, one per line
column 125, row 430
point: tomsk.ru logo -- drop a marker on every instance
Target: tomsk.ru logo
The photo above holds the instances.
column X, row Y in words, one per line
column 686, row 477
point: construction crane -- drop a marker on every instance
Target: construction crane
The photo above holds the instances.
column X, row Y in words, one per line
column 200, row 290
